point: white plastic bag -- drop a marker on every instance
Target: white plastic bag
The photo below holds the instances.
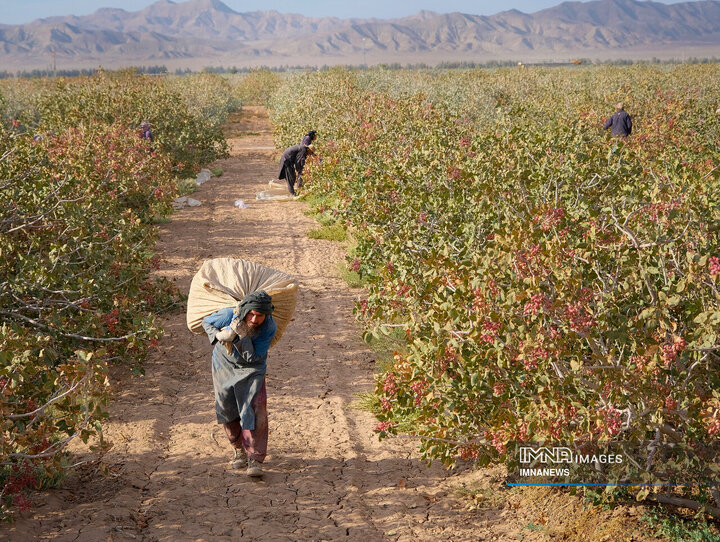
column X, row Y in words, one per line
column 203, row 176
column 276, row 191
column 182, row 201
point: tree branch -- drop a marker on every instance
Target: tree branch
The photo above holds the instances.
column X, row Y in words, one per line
column 66, row 335
column 39, row 410
column 686, row 503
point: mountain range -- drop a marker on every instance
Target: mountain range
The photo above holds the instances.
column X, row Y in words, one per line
column 198, row 33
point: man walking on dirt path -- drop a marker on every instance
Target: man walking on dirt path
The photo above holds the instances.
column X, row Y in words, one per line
column 242, row 338
column 292, row 162
column 620, row 122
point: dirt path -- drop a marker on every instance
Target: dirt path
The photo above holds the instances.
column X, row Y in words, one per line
column 327, row 477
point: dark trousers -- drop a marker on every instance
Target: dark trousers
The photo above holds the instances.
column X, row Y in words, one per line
column 289, row 175
column 254, row 442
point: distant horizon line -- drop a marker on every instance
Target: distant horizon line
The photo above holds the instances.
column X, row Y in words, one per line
column 162, row 69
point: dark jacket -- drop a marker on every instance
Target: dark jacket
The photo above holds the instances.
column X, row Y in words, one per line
column 293, row 157
column 621, row 124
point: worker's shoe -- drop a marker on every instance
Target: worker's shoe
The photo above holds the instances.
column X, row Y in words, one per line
column 239, row 459
column 253, row 468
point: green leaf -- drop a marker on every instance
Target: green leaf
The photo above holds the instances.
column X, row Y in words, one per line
column 646, row 313
column 642, row 494
column 701, row 318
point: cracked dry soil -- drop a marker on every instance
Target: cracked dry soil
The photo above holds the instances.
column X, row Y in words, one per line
column 326, row 477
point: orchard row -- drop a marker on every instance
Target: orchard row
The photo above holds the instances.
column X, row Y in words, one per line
column 551, row 284
column 79, row 191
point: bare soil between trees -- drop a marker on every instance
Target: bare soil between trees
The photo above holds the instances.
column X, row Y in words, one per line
column 327, row 477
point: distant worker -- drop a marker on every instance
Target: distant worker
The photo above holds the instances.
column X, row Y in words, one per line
column 309, row 138
column 620, row 122
column 145, row 131
column 292, row 164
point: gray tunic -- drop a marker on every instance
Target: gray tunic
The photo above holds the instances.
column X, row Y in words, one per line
column 238, row 376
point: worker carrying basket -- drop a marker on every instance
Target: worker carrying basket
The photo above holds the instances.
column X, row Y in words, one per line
column 244, row 308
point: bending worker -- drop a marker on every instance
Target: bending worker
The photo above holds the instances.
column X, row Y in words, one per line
column 292, row 164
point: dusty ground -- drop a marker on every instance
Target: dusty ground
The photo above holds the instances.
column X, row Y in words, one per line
column 327, row 477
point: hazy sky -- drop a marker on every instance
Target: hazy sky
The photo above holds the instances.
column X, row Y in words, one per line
column 22, row 11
